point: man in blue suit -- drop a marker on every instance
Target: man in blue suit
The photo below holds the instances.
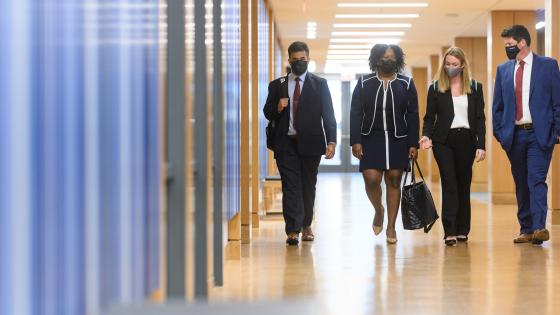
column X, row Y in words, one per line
column 526, row 121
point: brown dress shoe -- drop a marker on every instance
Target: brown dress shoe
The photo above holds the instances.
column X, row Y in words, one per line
column 523, row 238
column 307, row 234
column 293, row 238
column 540, row 236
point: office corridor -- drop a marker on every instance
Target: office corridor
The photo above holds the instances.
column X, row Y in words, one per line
column 135, row 174
column 347, row 270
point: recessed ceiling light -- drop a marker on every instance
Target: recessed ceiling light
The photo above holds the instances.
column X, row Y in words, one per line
column 374, row 25
column 395, row 33
column 384, row 5
column 377, row 16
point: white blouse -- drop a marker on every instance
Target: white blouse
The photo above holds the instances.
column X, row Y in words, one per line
column 461, row 106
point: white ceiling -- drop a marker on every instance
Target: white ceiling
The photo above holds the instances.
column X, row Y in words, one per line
column 436, row 26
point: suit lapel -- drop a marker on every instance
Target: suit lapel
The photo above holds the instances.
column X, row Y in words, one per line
column 510, row 80
column 308, row 88
column 448, row 102
column 471, row 105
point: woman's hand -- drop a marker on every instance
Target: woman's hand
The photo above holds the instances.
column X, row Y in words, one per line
column 412, row 153
column 357, row 151
column 425, row 143
column 480, row 155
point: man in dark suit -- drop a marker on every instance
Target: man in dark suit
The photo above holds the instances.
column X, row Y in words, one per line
column 300, row 105
column 526, row 121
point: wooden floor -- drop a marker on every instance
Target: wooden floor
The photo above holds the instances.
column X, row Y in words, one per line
column 348, row 270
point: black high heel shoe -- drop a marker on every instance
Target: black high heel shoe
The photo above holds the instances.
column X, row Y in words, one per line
column 451, row 242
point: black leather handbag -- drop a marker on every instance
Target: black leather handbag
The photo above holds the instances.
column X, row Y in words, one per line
column 417, row 205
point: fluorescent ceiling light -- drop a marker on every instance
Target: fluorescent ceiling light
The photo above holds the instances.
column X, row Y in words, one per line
column 349, row 52
column 312, row 66
column 377, row 16
column 347, row 57
column 540, row 25
column 347, row 61
column 362, row 46
column 368, row 40
column 374, row 25
column 384, row 5
column 396, row 33
column 311, row 30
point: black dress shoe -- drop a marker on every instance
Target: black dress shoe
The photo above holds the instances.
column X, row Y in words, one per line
column 462, row 239
column 293, row 239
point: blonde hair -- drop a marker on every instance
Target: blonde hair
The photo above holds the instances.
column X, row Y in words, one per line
column 443, row 78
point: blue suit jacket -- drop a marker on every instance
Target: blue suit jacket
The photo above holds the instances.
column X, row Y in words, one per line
column 544, row 102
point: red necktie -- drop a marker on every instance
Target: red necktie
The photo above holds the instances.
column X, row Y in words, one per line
column 519, row 91
column 295, row 100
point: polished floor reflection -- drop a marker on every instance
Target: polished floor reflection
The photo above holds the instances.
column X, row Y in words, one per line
column 348, row 270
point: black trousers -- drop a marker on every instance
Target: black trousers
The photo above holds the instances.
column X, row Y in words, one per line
column 455, row 158
column 299, row 176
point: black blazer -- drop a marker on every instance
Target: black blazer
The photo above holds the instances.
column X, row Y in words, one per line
column 367, row 97
column 440, row 113
column 315, row 116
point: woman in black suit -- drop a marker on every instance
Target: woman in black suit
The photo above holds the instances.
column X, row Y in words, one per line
column 384, row 130
column 456, row 125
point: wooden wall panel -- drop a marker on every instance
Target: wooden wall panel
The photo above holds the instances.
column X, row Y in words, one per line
column 552, row 48
column 420, row 76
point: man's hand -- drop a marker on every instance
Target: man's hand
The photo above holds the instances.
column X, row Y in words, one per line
column 480, row 155
column 331, row 148
column 357, row 151
column 412, row 153
column 283, row 103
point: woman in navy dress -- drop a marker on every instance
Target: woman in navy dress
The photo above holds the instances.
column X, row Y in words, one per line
column 384, row 130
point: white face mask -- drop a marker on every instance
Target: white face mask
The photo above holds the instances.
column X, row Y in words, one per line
column 452, row 71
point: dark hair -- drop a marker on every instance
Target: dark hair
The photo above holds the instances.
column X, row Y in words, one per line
column 298, row 46
column 378, row 51
column 518, row 32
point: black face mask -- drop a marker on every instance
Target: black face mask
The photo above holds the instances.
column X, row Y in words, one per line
column 512, row 52
column 387, row 66
column 299, row 66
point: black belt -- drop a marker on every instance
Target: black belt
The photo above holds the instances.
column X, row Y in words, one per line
column 524, row 126
column 292, row 136
column 459, row 129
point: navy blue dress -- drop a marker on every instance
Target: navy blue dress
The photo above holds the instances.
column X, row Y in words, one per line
column 384, row 121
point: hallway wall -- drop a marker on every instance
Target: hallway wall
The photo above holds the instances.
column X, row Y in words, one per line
column 80, row 155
